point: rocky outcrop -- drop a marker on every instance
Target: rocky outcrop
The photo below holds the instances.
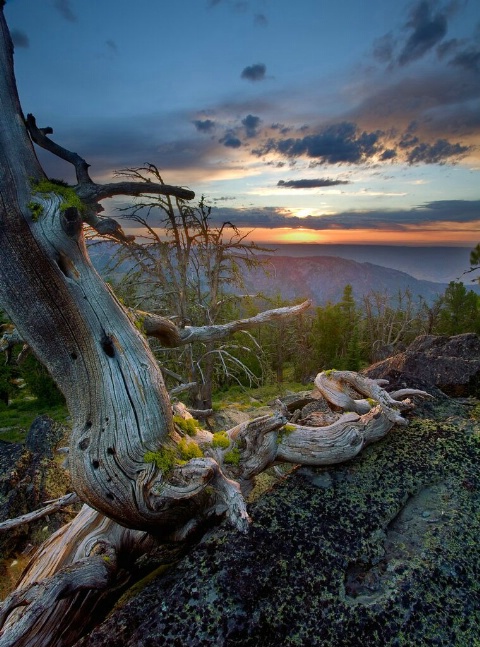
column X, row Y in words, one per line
column 381, row 551
column 31, row 479
column 452, row 364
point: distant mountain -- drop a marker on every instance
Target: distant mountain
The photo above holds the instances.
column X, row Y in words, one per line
column 438, row 264
column 323, row 278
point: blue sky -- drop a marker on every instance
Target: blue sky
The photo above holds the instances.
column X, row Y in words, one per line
column 311, row 121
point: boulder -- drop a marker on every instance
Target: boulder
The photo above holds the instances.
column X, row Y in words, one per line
column 32, row 477
column 381, row 551
column 452, row 364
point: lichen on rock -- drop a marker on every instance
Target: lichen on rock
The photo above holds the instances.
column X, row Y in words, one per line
column 381, row 551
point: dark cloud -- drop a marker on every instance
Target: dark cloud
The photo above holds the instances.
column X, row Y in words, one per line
column 251, row 124
column 388, row 154
column 310, row 184
column 447, row 48
column 469, row 60
column 437, row 153
column 336, row 144
column 383, row 48
column 283, row 129
column 230, row 140
column 260, row 19
column 427, row 30
column 442, row 211
column 254, row 72
column 65, row 10
column 443, row 103
column 112, row 46
column 20, row 38
column 204, row 125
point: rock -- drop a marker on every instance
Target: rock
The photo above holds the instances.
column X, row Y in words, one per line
column 43, row 436
column 34, row 478
column 452, row 364
column 345, row 559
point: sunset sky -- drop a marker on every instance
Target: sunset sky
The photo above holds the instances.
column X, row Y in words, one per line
column 311, row 121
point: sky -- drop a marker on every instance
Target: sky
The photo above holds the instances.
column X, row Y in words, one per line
column 319, row 121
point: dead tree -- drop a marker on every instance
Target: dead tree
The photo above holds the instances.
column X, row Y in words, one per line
column 141, row 481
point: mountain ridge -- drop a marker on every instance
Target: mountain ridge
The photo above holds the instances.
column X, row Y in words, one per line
column 323, row 279
column 438, row 264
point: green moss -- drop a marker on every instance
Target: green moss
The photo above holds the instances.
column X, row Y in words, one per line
column 164, row 459
column 139, row 322
column 36, row 210
column 329, row 372
column 284, row 431
column 189, row 449
column 232, row 457
column 221, row 440
column 187, row 425
column 67, row 193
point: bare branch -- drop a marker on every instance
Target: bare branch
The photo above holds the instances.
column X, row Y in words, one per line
column 102, row 191
column 53, row 506
column 39, row 136
column 171, row 336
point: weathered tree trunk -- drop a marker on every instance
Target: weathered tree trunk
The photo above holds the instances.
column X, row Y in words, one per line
column 128, row 463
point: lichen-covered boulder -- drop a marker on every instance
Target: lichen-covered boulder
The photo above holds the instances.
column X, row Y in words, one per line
column 34, row 477
column 381, row 551
column 452, row 364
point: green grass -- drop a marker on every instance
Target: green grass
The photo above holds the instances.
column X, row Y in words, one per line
column 16, row 418
column 246, row 398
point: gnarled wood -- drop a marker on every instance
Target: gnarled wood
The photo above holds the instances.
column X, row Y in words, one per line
column 172, row 336
column 49, row 508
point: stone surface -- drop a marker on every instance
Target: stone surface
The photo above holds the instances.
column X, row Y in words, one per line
column 381, row 551
column 452, row 364
column 34, row 477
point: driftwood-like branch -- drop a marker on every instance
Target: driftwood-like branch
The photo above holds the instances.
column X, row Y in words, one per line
column 39, row 136
column 94, row 572
column 102, row 191
column 172, row 336
column 53, row 506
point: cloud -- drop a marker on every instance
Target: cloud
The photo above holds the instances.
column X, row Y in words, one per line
column 260, row 19
column 427, row 214
column 230, row 140
column 112, row 46
column 442, row 103
column 20, row 38
column 65, row 10
column 251, row 124
column 388, row 154
column 437, row 153
column 254, row 72
column 204, row 125
column 335, row 144
column 310, row 184
column 383, row 48
column 469, row 60
column 427, row 31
